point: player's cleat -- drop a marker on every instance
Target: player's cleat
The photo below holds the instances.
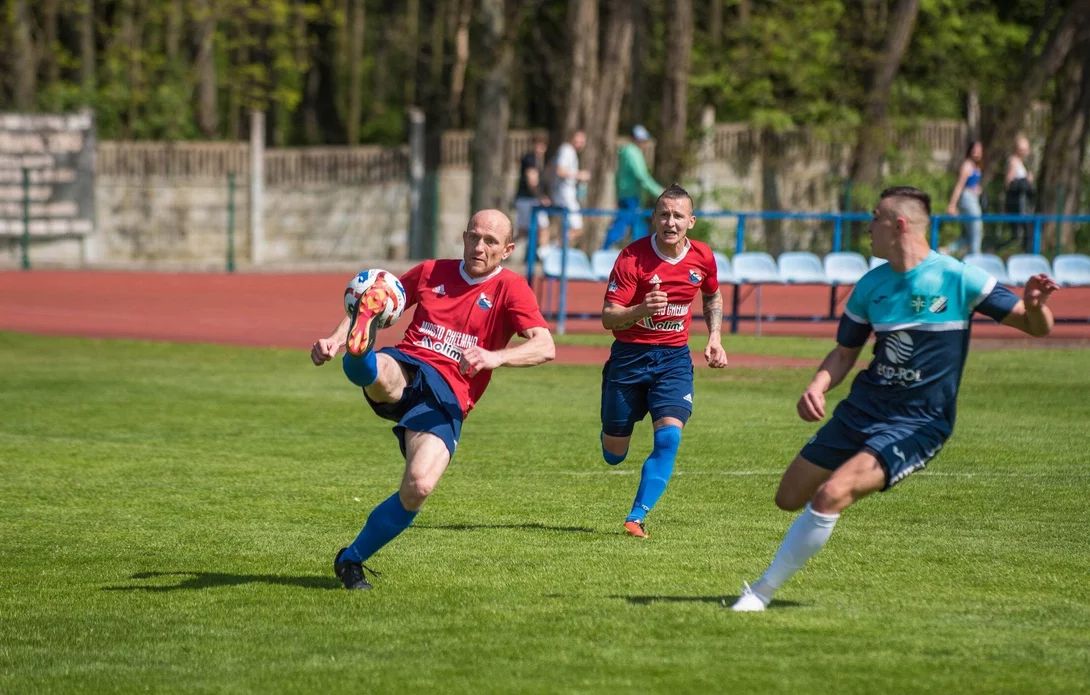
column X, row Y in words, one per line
column 635, row 528
column 351, row 573
column 365, row 318
column 748, row 602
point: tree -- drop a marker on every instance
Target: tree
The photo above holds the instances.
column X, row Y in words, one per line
column 25, row 56
column 670, row 155
column 499, row 25
column 871, row 141
column 1074, row 23
column 1063, row 156
column 357, row 27
column 207, row 111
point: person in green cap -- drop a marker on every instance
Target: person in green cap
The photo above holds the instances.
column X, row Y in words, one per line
column 631, row 181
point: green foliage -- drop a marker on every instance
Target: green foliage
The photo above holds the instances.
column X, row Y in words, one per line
column 171, row 512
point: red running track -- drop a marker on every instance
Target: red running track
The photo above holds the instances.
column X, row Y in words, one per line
column 292, row 310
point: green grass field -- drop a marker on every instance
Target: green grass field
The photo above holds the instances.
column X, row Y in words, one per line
column 168, row 516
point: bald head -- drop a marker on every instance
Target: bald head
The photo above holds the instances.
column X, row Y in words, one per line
column 494, row 221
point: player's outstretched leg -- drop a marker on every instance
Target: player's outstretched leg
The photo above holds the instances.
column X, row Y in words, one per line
column 426, row 460
column 366, row 318
column 656, row 472
column 858, row 477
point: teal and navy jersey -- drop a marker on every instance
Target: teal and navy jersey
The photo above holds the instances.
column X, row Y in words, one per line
column 921, row 321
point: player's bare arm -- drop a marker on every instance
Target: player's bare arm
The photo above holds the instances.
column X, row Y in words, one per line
column 326, row 349
column 537, row 349
column 1031, row 315
column 837, row 365
column 618, row 318
column 713, row 317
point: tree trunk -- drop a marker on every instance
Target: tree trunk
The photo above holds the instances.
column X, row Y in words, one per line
column 493, row 108
column 670, row 155
column 871, row 143
column 1062, row 159
column 604, row 111
column 51, row 68
column 412, row 47
column 26, row 64
column 771, row 163
column 87, row 45
column 205, row 64
column 461, row 58
column 175, row 27
column 583, row 65
column 1074, row 23
column 357, row 27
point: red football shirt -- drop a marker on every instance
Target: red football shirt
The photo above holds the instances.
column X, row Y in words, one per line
column 639, row 267
column 455, row 312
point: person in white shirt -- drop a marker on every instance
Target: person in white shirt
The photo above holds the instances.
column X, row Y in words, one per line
column 566, row 182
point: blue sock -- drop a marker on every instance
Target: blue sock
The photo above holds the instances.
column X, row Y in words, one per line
column 361, row 371
column 611, row 459
column 383, row 525
column 656, row 471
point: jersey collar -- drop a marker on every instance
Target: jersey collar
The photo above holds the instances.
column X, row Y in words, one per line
column 660, row 254
column 476, row 281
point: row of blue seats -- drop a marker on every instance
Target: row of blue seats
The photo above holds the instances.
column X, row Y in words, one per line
column 839, row 268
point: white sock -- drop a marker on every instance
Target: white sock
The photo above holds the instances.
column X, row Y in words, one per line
column 806, row 536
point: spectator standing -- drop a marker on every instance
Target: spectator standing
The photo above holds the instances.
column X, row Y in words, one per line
column 568, row 176
column 1021, row 196
column 965, row 200
column 632, row 180
column 531, row 191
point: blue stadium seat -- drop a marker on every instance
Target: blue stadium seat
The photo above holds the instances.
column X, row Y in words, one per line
column 602, row 261
column 875, row 261
column 990, row 263
column 845, row 267
column 579, row 267
column 723, row 268
column 1022, row 266
column 755, row 268
column 1072, row 269
column 802, row 268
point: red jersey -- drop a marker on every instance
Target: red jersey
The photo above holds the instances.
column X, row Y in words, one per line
column 456, row 311
column 640, row 266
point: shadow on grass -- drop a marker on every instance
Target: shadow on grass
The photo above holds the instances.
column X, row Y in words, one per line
column 523, row 527
column 726, row 601
column 211, row 580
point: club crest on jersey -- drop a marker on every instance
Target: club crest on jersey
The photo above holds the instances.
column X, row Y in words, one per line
column 695, row 277
column 612, row 286
column 484, row 302
column 918, row 303
column 938, row 305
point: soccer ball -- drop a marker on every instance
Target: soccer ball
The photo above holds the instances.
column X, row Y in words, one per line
column 395, row 301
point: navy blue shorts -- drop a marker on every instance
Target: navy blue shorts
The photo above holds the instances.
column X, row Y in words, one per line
column 427, row 404
column 640, row 379
column 901, row 448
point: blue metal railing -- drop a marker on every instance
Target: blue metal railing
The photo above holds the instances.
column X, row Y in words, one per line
column 837, row 218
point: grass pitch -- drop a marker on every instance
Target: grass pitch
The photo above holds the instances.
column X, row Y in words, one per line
column 169, row 513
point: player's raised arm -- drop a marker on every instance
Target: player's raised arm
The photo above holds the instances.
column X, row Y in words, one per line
column 713, row 316
column 1031, row 315
column 616, row 317
column 325, row 349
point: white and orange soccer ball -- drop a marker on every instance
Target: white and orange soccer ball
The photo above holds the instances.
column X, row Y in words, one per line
column 395, row 297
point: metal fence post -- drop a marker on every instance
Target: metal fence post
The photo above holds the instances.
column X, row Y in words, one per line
column 836, row 233
column 1059, row 212
column 935, row 232
column 231, row 222
column 562, row 301
column 740, row 235
column 531, row 246
column 26, row 219
column 1037, row 235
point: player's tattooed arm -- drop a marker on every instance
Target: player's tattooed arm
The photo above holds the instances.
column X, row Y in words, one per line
column 713, row 312
column 713, row 316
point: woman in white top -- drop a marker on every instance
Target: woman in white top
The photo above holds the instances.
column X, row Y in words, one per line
column 1021, row 195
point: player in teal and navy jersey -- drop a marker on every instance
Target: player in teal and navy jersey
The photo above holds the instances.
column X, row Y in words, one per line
column 901, row 409
column 648, row 306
